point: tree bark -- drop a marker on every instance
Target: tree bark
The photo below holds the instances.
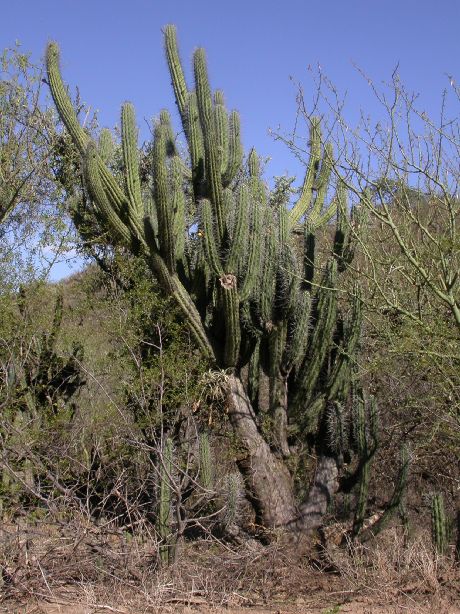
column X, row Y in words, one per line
column 268, row 482
column 324, row 487
column 278, row 410
column 267, row 479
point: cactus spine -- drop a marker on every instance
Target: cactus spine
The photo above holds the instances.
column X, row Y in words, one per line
column 231, row 496
column 131, row 162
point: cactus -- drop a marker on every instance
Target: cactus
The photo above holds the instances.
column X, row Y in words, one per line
column 231, row 494
column 438, row 524
column 249, row 282
column 395, row 503
column 365, row 435
column 337, row 429
column 164, row 503
column 206, row 470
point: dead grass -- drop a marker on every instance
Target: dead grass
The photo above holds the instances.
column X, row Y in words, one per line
column 389, row 570
column 82, row 568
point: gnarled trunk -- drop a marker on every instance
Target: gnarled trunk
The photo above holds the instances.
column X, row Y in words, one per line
column 267, row 479
column 324, row 486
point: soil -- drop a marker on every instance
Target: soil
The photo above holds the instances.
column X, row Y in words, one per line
column 323, row 599
column 363, row 606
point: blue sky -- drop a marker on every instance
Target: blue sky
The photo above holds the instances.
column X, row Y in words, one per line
column 113, row 51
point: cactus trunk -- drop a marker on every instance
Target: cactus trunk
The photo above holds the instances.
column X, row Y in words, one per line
column 268, row 481
column 438, row 524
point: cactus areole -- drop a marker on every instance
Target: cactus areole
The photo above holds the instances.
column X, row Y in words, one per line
column 257, row 298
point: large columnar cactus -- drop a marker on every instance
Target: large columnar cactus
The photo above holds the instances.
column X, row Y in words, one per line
column 244, row 272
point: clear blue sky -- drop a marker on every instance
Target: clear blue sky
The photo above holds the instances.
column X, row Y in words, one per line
column 112, row 49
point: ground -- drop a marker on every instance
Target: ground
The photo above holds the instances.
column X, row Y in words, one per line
column 362, row 606
column 81, row 571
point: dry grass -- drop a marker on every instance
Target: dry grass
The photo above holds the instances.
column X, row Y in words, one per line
column 103, row 568
column 389, row 570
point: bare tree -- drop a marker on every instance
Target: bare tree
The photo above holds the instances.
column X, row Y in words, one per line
column 404, row 169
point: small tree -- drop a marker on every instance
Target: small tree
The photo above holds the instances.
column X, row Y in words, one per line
column 30, row 201
column 243, row 268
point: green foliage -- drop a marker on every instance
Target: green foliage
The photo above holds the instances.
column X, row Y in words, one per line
column 31, row 211
column 39, row 386
column 40, row 381
column 142, row 376
column 161, row 366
